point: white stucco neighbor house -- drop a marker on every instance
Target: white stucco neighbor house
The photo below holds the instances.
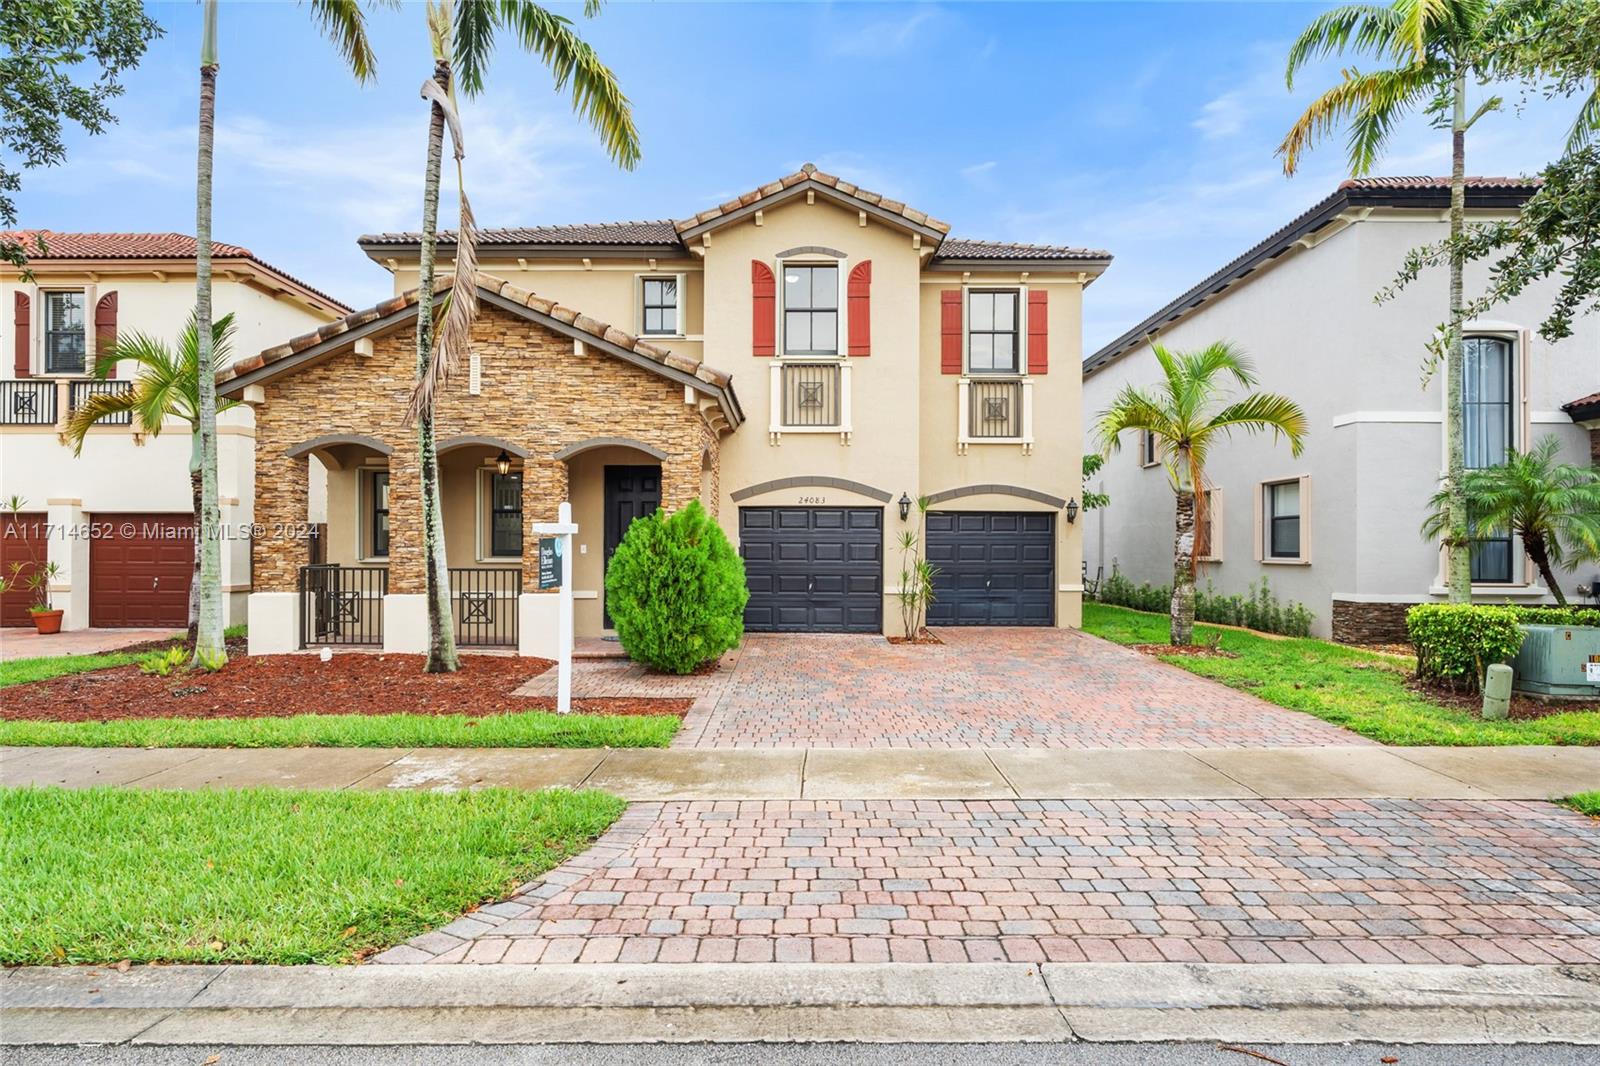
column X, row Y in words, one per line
column 1338, row 527
column 117, row 518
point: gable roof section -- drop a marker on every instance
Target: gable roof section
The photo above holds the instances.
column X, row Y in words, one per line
column 173, row 247
column 658, row 238
column 1391, row 192
column 809, row 178
column 308, row 347
column 958, row 253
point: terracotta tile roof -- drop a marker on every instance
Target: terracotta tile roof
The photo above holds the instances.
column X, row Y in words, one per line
column 1413, row 181
column 647, row 232
column 177, row 246
column 810, row 173
column 1591, row 400
column 963, row 248
column 506, row 291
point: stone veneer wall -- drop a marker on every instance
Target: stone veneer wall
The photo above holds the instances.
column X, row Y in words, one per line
column 1370, row 623
column 535, row 393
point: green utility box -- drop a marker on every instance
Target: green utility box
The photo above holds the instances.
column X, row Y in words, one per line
column 1559, row 661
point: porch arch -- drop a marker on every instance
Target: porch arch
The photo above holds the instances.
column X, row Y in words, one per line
column 475, row 441
column 609, row 442
column 337, row 450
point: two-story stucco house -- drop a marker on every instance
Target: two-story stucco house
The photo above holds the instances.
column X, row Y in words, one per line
column 1338, row 528
column 117, row 519
column 806, row 360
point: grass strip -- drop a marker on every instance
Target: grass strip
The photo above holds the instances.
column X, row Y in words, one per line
column 1585, row 803
column 533, row 729
column 1359, row 690
column 262, row 875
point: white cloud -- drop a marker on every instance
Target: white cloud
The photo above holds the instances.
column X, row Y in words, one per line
column 849, row 37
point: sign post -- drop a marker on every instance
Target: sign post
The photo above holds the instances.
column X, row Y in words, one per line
column 555, row 571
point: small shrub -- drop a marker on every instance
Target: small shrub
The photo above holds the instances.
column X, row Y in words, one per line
column 1556, row 616
column 1456, row 643
column 1260, row 609
column 675, row 590
column 165, row 663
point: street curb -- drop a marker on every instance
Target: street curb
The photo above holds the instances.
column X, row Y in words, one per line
column 919, row 1003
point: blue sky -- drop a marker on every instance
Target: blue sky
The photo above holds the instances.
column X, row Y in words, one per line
column 1144, row 128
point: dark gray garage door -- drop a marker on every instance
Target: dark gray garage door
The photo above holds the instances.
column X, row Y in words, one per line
column 813, row 568
column 996, row 568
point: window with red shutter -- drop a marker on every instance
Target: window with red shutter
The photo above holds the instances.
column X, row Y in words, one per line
column 22, row 323
column 763, row 309
column 860, row 294
column 1038, row 331
column 950, row 331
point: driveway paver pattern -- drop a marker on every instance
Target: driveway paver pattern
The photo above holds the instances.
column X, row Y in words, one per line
column 981, row 688
column 1254, row 881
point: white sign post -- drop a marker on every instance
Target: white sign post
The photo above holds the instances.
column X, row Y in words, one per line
column 563, row 529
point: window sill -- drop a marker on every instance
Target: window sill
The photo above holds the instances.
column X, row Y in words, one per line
column 375, row 560
column 810, row 429
column 1208, row 558
column 1520, row 591
column 811, row 357
column 1286, row 562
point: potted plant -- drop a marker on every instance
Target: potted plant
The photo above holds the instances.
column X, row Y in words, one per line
column 34, row 576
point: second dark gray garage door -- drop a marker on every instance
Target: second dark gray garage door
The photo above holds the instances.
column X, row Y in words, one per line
column 817, row 569
column 996, row 568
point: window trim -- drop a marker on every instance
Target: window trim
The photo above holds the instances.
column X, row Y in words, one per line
column 1019, row 329
column 810, row 260
column 1149, row 455
column 1264, row 517
column 367, row 511
column 484, row 540
column 45, row 295
column 682, row 305
column 1513, row 405
column 1218, row 527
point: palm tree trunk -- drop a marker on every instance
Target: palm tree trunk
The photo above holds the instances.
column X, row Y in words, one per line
column 1533, row 544
column 442, row 656
column 1183, row 571
column 194, row 580
column 208, row 647
column 1457, row 536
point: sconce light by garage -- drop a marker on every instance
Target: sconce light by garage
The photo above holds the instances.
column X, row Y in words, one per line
column 1072, row 510
column 905, row 507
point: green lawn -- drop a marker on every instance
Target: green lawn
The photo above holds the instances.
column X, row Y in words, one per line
column 22, row 671
column 1360, row 690
column 1585, row 803
column 261, row 875
column 533, row 729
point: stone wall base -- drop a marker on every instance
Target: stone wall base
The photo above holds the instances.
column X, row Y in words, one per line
column 1370, row 623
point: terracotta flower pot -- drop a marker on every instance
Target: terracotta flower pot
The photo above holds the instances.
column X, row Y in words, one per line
column 47, row 621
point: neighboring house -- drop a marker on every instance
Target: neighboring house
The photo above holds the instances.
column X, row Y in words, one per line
column 1337, row 528
column 117, row 519
column 876, row 360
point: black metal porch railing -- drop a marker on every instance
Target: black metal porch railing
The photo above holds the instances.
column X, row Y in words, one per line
column 28, row 402
column 994, row 409
column 342, row 605
column 80, row 392
column 811, row 394
column 483, row 601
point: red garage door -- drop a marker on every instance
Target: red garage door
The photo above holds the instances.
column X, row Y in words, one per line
column 139, row 569
column 22, row 540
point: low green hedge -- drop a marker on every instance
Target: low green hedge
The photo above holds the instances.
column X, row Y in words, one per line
column 1456, row 643
column 1556, row 616
column 1260, row 609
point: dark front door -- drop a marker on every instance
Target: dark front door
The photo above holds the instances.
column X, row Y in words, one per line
column 817, row 569
column 994, row 568
column 631, row 492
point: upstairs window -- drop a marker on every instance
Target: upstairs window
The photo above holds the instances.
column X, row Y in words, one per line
column 992, row 331
column 810, row 309
column 505, row 514
column 64, row 333
column 660, row 307
column 1488, row 405
column 1147, row 448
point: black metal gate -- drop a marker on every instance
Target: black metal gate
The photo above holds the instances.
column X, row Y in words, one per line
column 342, row 605
column 483, row 602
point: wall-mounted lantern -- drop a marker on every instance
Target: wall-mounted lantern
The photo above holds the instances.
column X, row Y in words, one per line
column 502, row 463
column 1072, row 510
column 905, row 507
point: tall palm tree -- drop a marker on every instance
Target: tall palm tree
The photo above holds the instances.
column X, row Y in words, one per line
column 463, row 38
column 1436, row 47
column 343, row 23
column 1188, row 414
column 166, row 384
column 1553, row 507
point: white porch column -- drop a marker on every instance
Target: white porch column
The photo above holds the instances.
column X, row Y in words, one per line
column 68, row 548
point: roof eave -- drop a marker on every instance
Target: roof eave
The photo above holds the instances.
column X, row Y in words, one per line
column 843, row 199
column 1043, row 266
column 379, row 251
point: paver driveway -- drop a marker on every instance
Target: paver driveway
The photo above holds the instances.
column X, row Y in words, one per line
column 1376, row 881
column 982, row 688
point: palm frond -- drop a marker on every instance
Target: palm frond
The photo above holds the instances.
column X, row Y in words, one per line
column 1132, row 408
column 1420, row 22
column 1373, row 102
column 473, row 41
column 1263, row 412
column 344, row 24
column 1357, row 27
column 454, row 337
column 596, row 97
column 1586, row 125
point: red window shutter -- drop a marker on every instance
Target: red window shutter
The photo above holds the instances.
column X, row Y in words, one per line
column 23, row 326
column 763, row 309
column 1038, row 331
column 105, row 327
column 860, row 294
column 950, row 331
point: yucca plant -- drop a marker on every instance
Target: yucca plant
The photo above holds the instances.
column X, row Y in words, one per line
column 1188, row 414
column 166, row 385
column 1552, row 507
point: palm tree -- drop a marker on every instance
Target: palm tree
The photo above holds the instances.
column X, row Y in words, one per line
column 1187, row 414
column 166, row 384
column 1436, row 47
column 1553, row 507
column 343, row 23
column 463, row 39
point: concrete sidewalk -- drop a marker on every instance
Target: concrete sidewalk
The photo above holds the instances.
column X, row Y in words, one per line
column 213, row 1006
column 1369, row 772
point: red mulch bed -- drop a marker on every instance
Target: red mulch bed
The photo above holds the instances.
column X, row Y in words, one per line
column 1193, row 651
column 281, row 686
column 1522, row 705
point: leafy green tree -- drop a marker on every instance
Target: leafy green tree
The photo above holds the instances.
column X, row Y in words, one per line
column 1092, row 500
column 43, row 45
column 343, row 23
column 1552, row 507
column 463, row 37
column 1436, row 49
column 1188, row 414
column 166, row 384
